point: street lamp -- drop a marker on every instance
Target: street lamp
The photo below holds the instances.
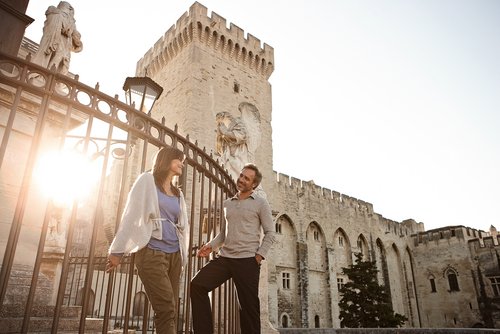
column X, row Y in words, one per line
column 141, row 93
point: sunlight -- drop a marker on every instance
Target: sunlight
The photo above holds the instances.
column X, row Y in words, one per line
column 66, row 176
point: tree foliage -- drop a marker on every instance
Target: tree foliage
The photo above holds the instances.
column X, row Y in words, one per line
column 365, row 303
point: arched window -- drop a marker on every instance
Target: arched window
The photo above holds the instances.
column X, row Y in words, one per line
column 432, row 281
column 284, row 321
column 452, row 280
column 316, row 321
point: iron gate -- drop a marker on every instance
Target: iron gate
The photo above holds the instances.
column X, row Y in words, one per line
column 68, row 156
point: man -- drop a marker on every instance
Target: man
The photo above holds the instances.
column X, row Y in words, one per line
column 240, row 254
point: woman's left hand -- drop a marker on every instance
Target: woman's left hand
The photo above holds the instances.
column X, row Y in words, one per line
column 112, row 263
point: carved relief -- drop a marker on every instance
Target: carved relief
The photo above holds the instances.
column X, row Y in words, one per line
column 238, row 137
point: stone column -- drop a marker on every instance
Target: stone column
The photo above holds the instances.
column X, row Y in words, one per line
column 53, row 253
column 265, row 324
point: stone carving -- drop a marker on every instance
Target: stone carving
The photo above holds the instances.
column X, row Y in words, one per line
column 56, row 236
column 238, row 137
column 60, row 38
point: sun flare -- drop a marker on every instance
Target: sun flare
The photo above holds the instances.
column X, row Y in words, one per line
column 66, row 176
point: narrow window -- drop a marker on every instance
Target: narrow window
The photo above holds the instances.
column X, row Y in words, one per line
column 316, row 321
column 433, row 285
column 316, row 235
column 284, row 321
column 236, row 87
column 278, row 228
column 341, row 241
column 453, row 281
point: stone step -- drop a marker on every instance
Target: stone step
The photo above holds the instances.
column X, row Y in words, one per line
column 44, row 325
column 40, row 311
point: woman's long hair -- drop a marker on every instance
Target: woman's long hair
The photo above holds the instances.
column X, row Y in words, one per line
column 161, row 166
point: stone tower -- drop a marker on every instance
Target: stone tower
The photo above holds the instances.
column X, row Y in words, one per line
column 206, row 68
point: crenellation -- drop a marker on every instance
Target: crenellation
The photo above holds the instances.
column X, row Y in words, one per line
column 218, row 21
column 228, row 41
column 282, row 178
column 254, row 42
column 295, row 182
column 184, row 19
column 488, row 241
column 327, row 193
column 474, row 245
column 197, row 9
column 336, row 196
column 236, row 31
column 170, row 34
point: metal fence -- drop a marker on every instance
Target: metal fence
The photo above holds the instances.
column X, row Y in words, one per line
column 68, row 156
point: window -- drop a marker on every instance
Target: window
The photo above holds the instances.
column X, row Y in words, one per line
column 495, row 285
column 341, row 241
column 278, row 228
column 316, row 321
column 452, row 280
column 316, row 235
column 433, row 284
column 285, row 280
column 284, row 321
column 340, row 283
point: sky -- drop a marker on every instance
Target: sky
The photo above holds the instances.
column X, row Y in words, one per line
column 393, row 102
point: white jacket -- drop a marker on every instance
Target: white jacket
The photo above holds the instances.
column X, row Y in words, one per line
column 137, row 226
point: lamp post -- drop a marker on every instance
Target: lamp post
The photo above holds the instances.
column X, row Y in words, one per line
column 141, row 93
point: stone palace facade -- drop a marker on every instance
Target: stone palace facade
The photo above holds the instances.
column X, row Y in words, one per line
column 447, row 277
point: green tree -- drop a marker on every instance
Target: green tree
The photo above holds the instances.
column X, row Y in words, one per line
column 365, row 303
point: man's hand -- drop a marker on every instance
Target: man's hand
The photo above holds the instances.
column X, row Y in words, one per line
column 113, row 262
column 204, row 251
column 258, row 258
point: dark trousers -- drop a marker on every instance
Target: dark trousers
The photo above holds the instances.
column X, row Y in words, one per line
column 160, row 273
column 245, row 274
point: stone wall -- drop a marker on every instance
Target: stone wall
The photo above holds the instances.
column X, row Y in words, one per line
column 206, row 68
column 388, row 331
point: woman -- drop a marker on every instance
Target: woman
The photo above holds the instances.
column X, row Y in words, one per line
column 154, row 226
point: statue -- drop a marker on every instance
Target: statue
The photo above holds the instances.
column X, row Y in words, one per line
column 238, row 138
column 59, row 38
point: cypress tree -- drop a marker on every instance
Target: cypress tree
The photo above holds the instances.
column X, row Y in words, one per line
column 365, row 303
